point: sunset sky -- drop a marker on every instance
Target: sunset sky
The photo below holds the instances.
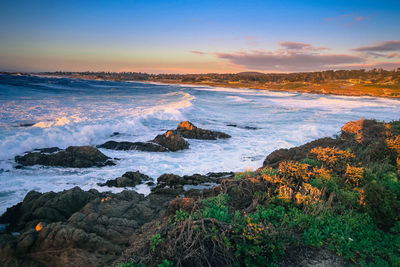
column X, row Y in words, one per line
column 198, row 36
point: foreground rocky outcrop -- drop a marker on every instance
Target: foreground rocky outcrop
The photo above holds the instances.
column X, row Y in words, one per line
column 74, row 227
column 188, row 130
column 73, row 156
column 128, row 179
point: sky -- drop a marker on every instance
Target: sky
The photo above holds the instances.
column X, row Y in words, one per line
column 198, row 36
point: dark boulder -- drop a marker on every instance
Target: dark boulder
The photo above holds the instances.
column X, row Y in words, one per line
column 73, row 156
column 174, row 184
column 128, row 179
column 141, row 146
column 171, row 140
column 188, row 130
column 298, row 153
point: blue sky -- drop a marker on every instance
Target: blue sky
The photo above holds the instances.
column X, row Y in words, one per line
column 198, row 36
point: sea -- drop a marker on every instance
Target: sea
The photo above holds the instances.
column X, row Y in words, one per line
column 40, row 112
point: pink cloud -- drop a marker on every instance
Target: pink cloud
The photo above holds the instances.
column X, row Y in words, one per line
column 300, row 46
column 386, row 46
column 271, row 61
column 198, row 52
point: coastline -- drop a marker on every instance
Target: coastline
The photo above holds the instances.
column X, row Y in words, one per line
column 336, row 88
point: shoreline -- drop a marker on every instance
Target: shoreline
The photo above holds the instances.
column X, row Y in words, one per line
column 305, row 90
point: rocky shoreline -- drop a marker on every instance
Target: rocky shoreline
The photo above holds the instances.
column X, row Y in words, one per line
column 213, row 219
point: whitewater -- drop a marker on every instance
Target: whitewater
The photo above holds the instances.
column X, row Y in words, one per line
column 39, row 112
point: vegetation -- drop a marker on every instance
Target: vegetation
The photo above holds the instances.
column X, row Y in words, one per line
column 375, row 82
column 341, row 199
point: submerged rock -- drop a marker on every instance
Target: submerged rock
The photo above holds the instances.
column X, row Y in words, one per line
column 141, row 146
column 73, row 156
column 171, row 140
column 188, row 130
column 128, row 179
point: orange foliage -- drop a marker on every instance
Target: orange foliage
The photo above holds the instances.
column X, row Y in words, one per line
column 308, row 194
column 322, row 173
column 394, row 143
column 355, row 128
column 330, row 157
column 285, row 192
column 184, row 203
column 361, row 192
column 292, row 169
column 353, row 175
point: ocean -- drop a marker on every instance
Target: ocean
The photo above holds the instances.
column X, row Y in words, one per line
column 39, row 112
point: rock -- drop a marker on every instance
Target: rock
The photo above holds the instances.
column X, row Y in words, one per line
column 174, row 184
column 48, row 150
column 141, row 146
column 243, row 127
column 364, row 131
column 75, row 227
column 188, row 130
column 298, row 153
column 171, row 140
column 47, row 207
column 128, row 179
column 73, row 156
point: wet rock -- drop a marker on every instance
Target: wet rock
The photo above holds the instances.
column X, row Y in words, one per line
column 128, row 179
column 73, row 156
column 188, row 130
column 243, row 127
column 141, row 146
column 171, row 140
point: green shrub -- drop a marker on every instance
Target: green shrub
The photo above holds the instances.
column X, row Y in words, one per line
column 155, row 240
column 181, row 215
column 217, row 208
column 312, row 162
column 166, row 263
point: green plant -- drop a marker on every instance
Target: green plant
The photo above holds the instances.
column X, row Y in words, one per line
column 311, row 162
column 166, row 263
column 155, row 240
column 181, row 215
column 217, row 208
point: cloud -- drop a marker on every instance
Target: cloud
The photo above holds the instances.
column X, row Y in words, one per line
column 375, row 65
column 360, row 18
column 387, row 46
column 198, row 52
column 275, row 61
column 347, row 20
column 300, row 46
